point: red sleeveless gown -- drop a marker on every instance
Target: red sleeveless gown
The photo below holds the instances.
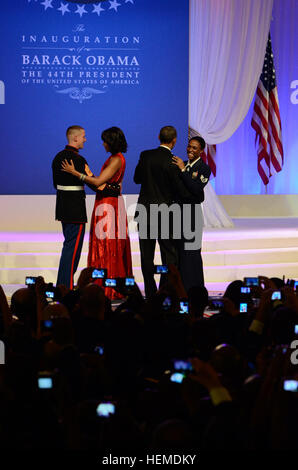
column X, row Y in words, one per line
column 109, row 244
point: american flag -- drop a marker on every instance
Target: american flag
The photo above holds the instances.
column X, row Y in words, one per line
column 209, row 153
column 266, row 121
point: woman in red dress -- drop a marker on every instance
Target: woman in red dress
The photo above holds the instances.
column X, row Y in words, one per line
column 109, row 244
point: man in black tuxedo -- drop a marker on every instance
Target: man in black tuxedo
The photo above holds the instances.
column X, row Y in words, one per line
column 161, row 186
column 195, row 175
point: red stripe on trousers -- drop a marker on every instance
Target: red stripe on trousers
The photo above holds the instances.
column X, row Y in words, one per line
column 74, row 255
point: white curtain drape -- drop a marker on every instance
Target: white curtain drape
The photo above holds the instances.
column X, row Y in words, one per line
column 227, row 48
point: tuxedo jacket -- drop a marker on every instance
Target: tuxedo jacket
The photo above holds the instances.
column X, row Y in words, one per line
column 70, row 205
column 195, row 179
column 159, row 178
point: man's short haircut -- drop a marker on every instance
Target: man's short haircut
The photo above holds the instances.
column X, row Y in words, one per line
column 167, row 134
column 73, row 129
column 200, row 140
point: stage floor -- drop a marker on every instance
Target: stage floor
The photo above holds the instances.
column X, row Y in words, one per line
column 254, row 246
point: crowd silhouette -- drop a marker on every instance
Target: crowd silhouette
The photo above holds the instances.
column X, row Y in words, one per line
column 81, row 375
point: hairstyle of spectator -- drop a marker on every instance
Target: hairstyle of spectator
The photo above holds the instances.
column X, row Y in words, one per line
column 278, row 282
column 198, row 300
column 23, row 305
column 233, row 292
column 92, row 301
column 283, row 323
column 115, row 139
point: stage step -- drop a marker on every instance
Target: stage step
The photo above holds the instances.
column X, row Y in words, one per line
column 214, row 240
column 253, row 247
column 216, row 258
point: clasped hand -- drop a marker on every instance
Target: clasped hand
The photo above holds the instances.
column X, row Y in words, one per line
column 68, row 167
column 178, row 161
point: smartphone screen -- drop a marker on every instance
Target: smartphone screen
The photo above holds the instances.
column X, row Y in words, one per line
column 291, row 385
column 276, row 295
column 166, row 305
column 99, row 273
column 183, row 307
column 110, row 282
column 50, row 295
column 30, row 280
column 180, row 364
column 217, row 303
column 105, row 409
column 243, row 307
column 177, row 377
column 161, row 269
column 47, row 323
column 45, row 383
column 251, row 281
column 129, row 281
column 245, row 290
column 99, row 350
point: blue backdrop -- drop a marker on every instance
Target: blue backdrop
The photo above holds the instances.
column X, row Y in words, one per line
column 96, row 64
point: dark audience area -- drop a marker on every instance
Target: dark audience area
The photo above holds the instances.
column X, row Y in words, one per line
column 177, row 371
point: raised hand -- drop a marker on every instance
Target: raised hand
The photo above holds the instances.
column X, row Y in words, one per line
column 178, row 161
column 205, row 374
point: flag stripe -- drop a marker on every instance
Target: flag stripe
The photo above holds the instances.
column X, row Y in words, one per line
column 266, row 121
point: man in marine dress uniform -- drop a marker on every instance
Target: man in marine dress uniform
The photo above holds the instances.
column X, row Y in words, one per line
column 195, row 175
column 70, row 204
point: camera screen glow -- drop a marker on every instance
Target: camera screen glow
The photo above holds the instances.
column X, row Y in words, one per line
column 243, row 307
column 177, row 377
column 217, row 303
column 182, row 365
column 291, row 385
column 105, row 409
column 161, row 269
column 45, row 382
column 252, row 281
column 245, row 290
column 183, row 307
column 99, row 350
column 98, row 274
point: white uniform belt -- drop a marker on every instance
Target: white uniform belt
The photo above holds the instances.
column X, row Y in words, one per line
column 70, row 188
